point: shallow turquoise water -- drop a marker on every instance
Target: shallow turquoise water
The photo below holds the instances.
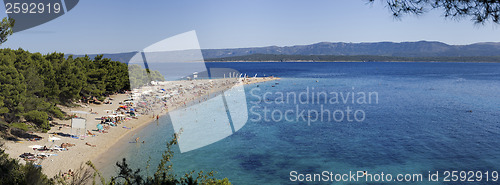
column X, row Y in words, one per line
column 428, row 117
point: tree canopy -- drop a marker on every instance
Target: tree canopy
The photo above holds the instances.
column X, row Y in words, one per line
column 32, row 84
column 480, row 11
column 6, row 28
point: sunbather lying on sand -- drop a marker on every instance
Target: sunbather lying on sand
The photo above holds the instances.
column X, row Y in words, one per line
column 66, row 145
column 90, row 133
column 90, row 144
column 103, row 131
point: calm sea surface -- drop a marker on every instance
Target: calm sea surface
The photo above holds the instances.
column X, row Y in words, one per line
column 424, row 117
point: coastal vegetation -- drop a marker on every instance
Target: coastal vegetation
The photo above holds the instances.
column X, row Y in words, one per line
column 164, row 173
column 32, row 85
column 13, row 172
column 139, row 76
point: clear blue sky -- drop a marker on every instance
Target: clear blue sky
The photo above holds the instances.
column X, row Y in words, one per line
column 110, row 26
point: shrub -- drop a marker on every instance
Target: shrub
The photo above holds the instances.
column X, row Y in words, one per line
column 40, row 119
column 13, row 172
column 21, row 126
column 56, row 112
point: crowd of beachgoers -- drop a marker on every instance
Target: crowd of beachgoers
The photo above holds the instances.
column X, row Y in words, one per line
column 67, row 147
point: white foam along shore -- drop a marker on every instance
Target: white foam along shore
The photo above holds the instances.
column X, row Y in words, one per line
column 146, row 103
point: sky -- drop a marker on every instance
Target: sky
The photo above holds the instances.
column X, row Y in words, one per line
column 113, row 26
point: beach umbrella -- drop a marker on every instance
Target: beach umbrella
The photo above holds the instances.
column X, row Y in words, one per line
column 100, row 127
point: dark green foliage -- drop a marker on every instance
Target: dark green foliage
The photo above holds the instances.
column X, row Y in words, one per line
column 21, row 126
column 164, row 174
column 13, row 172
column 70, row 80
column 127, row 174
column 32, row 84
column 6, row 28
column 12, row 87
column 41, row 119
column 480, row 10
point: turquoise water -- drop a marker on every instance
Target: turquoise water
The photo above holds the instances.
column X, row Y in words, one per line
column 428, row 117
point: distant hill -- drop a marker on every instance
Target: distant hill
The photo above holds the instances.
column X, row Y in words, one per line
column 350, row 58
column 402, row 49
column 387, row 49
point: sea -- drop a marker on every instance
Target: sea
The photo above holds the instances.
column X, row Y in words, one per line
column 322, row 122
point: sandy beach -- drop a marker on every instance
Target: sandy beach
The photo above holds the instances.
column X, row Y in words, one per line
column 90, row 143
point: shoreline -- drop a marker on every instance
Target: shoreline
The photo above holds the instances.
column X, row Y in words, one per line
column 102, row 160
column 77, row 155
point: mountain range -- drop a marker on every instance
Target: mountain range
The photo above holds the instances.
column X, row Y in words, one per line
column 402, row 49
column 393, row 49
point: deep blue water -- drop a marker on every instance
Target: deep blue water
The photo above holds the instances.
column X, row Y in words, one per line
column 428, row 117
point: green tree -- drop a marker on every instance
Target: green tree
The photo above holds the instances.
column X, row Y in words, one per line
column 49, row 71
column 3, row 109
column 96, row 77
column 34, row 81
column 13, row 172
column 480, row 11
column 32, row 84
column 39, row 118
column 6, row 29
column 70, row 80
column 12, row 87
column 164, row 173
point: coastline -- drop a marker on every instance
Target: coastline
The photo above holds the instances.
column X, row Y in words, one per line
column 102, row 160
column 77, row 155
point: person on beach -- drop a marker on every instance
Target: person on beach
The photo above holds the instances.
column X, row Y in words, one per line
column 90, row 133
column 137, row 139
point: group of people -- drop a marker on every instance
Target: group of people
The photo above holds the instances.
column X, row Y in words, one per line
column 68, row 175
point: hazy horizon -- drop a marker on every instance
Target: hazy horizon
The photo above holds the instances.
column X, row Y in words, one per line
column 117, row 26
column 297, row 45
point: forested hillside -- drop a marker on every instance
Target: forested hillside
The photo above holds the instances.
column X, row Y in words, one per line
column 395, row 49
column 32, row 84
